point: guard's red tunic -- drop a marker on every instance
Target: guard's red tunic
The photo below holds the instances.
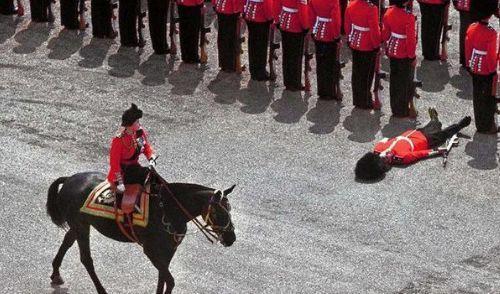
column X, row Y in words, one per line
column 125, row 150
column 462, row 5
column 189, row 2
column 481, row 51
column 292, row 15
column 407, row 148
column 325, row 19
column 361, row 25
column 400, row 33
column 228, row 6
column 259, row 10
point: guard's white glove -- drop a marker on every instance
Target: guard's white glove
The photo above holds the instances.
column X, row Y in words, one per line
column 152, row 161
column 120, row 188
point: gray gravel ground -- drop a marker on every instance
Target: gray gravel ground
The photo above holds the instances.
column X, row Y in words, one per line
column 303, row 224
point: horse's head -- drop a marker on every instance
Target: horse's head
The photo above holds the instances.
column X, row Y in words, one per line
column 218, row 216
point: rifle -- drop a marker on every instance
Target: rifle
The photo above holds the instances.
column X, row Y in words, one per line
column 416, row 84
column 203, row 36
column 445, row 38
column 273, row 46
column 379, row 75
column 114, row 5
column 50, row 13
column 450, row 143
column 82, row 9
column 20, row 8
column 173, row 28
column 141, row 13
column 239, row 50
column 339, row 65
column 307, row 62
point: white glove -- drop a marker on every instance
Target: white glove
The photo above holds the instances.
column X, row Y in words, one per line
column 120, row 188
column 152, row 161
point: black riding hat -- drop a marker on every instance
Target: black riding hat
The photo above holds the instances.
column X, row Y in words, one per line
column 481, row 9
column 370, row 167
column 131, row 115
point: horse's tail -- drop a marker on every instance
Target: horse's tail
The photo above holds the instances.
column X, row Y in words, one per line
column 53, row 207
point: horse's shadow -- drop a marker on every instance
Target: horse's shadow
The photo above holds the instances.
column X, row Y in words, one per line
column 124, row 62
column 154, row 70
column 463, row 83
column 434, row 76
column 94, row 53
column 8, row 25
column 257, row 97
column 67, row 43
column 397, row 126
column 325, row 116
column 363, row 125
column 32, row 37
column 290, row 107
column 185, row 79
column 226, row 87
column 484, row 151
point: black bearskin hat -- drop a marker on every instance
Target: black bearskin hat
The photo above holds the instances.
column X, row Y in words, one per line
column 370, row 167
column 481, row 9
column 398, row 3
column 131, row 115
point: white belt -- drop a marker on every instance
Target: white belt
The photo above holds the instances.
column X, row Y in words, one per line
column 257, row 1
column 323, row 19
column 290, row 10
column 479, row 52
column 397, row 139
column 358, row 28
column 398, row 36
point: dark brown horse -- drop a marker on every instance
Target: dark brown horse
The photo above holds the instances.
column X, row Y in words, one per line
column 176, row 202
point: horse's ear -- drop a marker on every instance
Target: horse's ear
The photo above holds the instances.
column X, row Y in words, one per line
column 226, row 192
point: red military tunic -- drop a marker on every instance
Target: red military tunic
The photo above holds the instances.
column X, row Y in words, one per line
column 361, row 24
column 409, row 147
column 125, row 150
column 481, row 52
column 325, row 19
column 400, row 33
column 228, row 6
column 292, row 15
column 462, row 5
column 189, row 2
column 259, row 10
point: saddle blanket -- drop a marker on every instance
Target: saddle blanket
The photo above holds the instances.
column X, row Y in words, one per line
column 101, row 203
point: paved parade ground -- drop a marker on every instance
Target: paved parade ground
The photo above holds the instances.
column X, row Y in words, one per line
column 303, row 224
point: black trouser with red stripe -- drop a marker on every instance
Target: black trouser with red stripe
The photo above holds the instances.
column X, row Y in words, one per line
column 40, row 10
column 226, row 40
column 189, row 32
column 127, row 18
column 435, row 135
column 157, row 18
column 401, row 86
column 465, row 22
column 258, row 37
column 293, row 51
column 101, row 12
column 7, row 7
column 363, row 71
column 484, row 102
column 69, row 14
column 326, row 68
column 432, row 27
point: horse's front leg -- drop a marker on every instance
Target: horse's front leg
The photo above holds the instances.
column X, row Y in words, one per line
column 160, row 254
column 161, row 283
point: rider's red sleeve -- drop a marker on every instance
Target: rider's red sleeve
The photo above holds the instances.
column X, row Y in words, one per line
column 114, row 160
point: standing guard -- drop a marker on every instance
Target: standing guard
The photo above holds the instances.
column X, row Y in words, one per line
column 363, row 33
column 228, row 20
column 292, row 18
column 481, row 53
column 326, row 23
column 190, row 17
column 101, row 12
column 399, row 33
column 128, row 14
column 157, row 19
column 463, row 7
column 259, row 17
column 41, row 11
column 70, row 10
column 433, row 13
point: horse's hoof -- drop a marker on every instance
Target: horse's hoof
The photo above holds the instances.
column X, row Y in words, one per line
column 56, row 280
